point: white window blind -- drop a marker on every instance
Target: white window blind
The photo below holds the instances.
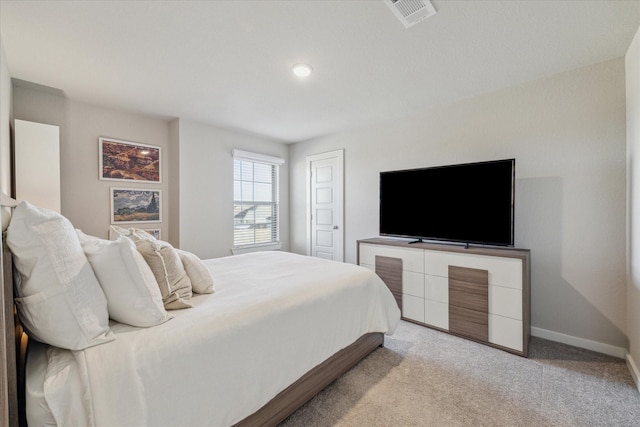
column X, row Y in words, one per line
column 255, row 199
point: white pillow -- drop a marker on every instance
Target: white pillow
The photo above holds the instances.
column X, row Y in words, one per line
column 116, row 232
column 140, row 234
column 174, row 284
column 58, row 296
column 133, row 296
column 201, row 280
column 135, row 234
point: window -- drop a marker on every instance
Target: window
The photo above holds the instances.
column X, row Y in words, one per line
column 255, row 199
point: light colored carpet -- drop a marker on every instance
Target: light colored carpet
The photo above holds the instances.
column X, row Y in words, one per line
column 424, row 377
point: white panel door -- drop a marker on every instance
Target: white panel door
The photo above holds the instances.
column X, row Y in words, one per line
column 325, row 205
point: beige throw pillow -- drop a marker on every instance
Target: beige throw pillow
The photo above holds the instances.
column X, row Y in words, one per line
column 201, row 280
column 175, row 285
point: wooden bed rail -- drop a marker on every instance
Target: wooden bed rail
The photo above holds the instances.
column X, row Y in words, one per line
column 311, row 383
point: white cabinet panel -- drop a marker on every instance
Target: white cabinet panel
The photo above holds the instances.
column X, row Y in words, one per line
column 505, row 272
column 436, row 314
column 37, row 164
column 505, row 332
column 413, row 283
column 369, row 266
column 436, row 288
column 412, row 259
column 413, row 308
column 505, row 302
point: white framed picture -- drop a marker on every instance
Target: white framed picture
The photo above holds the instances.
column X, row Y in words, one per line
column 130, row 205
column 155, row 232
column 129, row 161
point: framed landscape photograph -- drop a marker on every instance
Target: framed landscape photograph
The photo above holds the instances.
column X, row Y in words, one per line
column 128, row 161
column 135, row 206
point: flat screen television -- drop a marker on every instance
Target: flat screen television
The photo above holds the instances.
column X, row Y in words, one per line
column 470, row 203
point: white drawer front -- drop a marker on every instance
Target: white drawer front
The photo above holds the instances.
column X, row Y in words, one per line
column 505, row 302
column 413, row 283
column 505, row 272
column 436, row 314
column 436, row 288
column 412, row 259
column 505, row 332
column 413, row 308
column 369, row 266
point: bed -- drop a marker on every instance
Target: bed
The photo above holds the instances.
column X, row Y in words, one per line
column 278, row 329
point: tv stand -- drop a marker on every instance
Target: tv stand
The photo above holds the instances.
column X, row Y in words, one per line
column 478, row 293
column 416, row 241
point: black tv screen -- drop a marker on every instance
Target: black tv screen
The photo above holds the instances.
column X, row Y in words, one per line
column 470, row 203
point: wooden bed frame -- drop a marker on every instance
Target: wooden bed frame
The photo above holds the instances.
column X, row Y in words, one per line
column 14, row 343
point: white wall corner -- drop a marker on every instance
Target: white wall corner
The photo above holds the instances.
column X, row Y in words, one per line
column 598, row 347
column 633, row 368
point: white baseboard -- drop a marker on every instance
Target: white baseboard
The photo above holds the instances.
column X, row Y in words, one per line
column 633, row 368
column 599, row 347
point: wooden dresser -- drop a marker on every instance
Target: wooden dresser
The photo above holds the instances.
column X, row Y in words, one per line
column 477, row 293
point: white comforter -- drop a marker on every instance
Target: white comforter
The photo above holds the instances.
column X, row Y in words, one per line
column 274, row 316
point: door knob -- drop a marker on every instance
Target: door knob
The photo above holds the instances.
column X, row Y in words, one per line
column 335, row 227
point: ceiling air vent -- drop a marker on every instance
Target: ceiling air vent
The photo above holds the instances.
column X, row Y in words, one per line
column 410, row 12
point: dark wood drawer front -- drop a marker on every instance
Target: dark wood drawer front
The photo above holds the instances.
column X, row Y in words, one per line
column 472, row 275
column 390, row 271
column 469, row 302
column 469, row 323
column 472, row 296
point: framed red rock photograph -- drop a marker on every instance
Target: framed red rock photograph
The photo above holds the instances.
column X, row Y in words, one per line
column 129, row 161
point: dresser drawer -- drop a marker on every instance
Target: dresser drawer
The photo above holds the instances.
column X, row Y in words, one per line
column 436, row 288
column 436, row 314
column 506, row 302
column 506, row 272
column 413, row 308
column 412, row 259
column 471, row 296
column 469, row 323
column 505, row 332
column 369, row 266
column 413, row 283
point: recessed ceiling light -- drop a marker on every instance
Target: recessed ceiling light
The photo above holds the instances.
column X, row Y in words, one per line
column 301, row 70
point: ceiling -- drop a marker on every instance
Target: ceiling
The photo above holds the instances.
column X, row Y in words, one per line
column 227, row 63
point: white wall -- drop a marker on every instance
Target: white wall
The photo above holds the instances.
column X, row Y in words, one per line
column 632, row 62
column 5, row 118
column 206, row 186
column 567, row 133
column 86, row 198
column 5, row 186
column 197, row 178
column 174, row 183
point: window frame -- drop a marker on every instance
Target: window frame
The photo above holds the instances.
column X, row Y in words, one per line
column 272, row 161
